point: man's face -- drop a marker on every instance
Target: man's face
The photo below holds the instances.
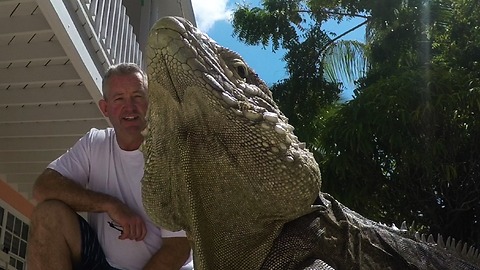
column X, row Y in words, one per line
column 126, row 104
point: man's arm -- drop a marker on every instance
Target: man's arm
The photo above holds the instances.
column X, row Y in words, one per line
column 51, row 185
column 171, row 256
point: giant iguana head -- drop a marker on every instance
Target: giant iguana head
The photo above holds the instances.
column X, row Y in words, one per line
column 222, row 162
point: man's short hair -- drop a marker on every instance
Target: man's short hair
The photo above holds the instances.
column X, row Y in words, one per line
column 123, row 69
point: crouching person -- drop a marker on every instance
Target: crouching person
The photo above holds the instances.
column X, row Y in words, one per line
column 101, row 175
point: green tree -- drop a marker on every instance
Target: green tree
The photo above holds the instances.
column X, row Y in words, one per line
column 407, row 144
column 405, row 148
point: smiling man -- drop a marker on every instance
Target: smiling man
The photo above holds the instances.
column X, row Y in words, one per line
column 101, row 175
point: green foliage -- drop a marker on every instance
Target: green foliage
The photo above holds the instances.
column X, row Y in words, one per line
column 407, row 144
column 302, row 100
column 276, row 23
column 405, row 154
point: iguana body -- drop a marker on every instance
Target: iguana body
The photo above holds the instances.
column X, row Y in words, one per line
column 223, row 164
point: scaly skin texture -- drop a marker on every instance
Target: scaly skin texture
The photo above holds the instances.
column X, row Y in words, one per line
column 223, row 164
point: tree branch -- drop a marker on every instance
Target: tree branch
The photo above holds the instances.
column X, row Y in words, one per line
column 332, row 12
column 342, row 35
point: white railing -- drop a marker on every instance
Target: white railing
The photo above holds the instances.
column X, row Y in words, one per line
column 108, row 28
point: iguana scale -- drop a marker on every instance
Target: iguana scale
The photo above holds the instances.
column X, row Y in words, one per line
column 223, row 164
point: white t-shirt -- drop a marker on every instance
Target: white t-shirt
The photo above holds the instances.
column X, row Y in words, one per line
column 98, row 163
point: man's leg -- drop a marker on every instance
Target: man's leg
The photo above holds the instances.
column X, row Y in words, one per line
column 55, row 237
column 92, row 256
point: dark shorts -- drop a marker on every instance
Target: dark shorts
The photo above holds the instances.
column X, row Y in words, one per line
column 93, row 257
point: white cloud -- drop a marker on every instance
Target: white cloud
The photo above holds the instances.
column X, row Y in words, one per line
column 208, row 12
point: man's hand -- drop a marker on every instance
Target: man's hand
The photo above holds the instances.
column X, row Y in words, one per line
column 133, row 225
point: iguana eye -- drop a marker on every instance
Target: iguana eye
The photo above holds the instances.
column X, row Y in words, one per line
column 241, row 69
column 242, row 72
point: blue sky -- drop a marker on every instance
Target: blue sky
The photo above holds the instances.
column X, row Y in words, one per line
column 213, row 19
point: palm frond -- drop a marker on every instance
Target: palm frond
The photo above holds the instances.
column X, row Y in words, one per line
column 345, row 61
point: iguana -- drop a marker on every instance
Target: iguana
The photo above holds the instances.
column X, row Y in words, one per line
column 223, row 164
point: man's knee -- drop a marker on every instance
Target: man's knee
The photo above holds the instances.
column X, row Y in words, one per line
column 55, row 236
column 55, row 219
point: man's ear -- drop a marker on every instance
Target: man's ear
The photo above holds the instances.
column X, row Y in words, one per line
column 103, row 107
